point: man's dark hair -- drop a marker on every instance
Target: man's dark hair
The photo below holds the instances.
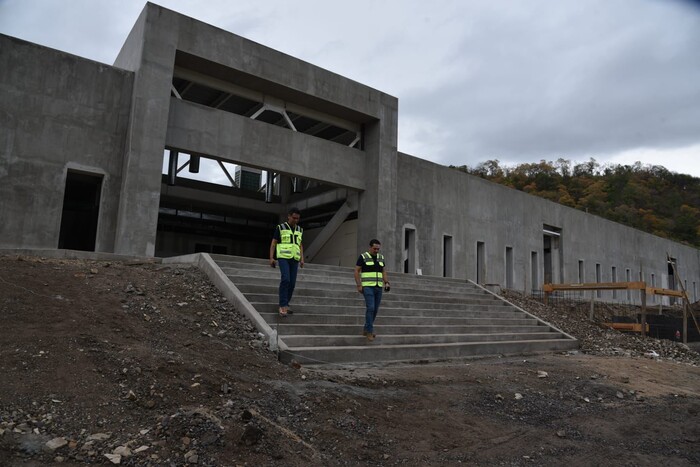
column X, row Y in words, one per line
column 294, row 211
column 374, row 241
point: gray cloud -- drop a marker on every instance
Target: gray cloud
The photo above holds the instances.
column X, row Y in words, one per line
column 508, row 79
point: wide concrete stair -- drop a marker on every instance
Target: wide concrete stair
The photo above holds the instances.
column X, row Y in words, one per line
column 421, row 318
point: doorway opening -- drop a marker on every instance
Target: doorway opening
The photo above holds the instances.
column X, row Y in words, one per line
column 672, row 278
column 447, row 256
column 81, row 209
column 480, row 263
column 409, row 251
column 553, row 256
column 509, row 267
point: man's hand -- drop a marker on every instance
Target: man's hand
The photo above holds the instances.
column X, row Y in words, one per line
column 301, row 263
column 272, row 263
column 359, row 288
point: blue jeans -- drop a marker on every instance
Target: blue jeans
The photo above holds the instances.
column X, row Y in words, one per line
column 373, row 297
column 288, row 272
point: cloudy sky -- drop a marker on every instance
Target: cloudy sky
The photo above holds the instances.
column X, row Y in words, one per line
column 513, row 80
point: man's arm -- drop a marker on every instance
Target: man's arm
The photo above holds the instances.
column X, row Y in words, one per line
column 358, row 281
column 301, row 251
column 273, row 247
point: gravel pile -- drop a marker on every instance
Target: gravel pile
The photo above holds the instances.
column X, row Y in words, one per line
column 598, row 339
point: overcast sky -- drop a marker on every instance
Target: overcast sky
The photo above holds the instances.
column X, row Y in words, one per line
column 513, row 80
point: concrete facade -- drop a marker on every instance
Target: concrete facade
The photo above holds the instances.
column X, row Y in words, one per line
column 182, row 86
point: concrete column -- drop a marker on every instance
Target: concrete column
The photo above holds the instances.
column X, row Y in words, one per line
column 285, row 182
column 150, row 53
column 378, row 203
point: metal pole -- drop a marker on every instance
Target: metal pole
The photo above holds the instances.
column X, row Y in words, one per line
column 269, row 187
column 172, row 168
column 643, row 295
column 685, row 321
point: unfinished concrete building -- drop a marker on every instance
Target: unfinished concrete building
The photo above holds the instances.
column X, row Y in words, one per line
column 90, row 158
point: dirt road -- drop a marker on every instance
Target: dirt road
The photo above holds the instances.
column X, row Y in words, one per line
column 144, row 364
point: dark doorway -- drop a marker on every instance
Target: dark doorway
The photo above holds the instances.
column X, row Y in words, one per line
column 409, row 248
column 81, row 208
column 553, row 255
column 672, row 278
column 547, row 259
column 480, row 263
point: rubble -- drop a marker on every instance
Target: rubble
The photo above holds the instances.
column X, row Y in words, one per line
column 597, row 339
column 196, row 385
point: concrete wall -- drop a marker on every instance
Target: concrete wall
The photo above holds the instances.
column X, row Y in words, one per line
column 117, row 121
column 208, row 131
column 57, row 112
column 150, row 53
column 341, row 249
column 439, row 201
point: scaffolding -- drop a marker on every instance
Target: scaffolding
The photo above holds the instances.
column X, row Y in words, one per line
column 644, row 292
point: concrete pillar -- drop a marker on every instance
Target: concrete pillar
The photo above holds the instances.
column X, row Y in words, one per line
column 150, row 53
column 378, row 203
column 285, row 192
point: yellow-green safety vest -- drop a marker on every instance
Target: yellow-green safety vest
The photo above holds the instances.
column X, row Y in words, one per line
column 289, row 246
column 373, row 278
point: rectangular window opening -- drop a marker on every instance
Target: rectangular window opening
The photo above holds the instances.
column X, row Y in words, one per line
column 509, row 267
column 534, row 276
column 447, row 256
column 480, row 263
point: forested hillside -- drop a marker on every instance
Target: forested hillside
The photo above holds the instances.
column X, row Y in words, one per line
column 649, row 198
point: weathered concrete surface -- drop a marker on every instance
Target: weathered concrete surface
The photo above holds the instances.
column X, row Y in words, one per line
column 115, row 122
column 443, row 201
column 208, row 131
column 57, row 112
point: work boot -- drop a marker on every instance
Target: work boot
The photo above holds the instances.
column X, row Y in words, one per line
column 370, row 336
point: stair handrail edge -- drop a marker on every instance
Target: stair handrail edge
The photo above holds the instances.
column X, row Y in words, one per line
column 207, row 265
column 520, row 309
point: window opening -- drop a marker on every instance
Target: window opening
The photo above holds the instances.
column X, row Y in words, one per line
column 509, row 267
column 81, row 209
column 480, row 263
column 447, row 256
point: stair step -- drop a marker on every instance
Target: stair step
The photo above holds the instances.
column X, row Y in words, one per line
column 414, row 339
column 393, row 320
column 271, row 285
column 421, row 318
column 302, row 301
column 496, row 311
column 285, row 329
column 375, row 352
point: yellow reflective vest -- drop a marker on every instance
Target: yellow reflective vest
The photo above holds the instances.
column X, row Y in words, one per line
column 371, row 271
column 289, row 245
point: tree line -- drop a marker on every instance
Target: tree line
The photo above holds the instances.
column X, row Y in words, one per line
column 647, row 197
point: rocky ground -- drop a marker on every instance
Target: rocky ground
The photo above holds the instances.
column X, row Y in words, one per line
column 146, row 364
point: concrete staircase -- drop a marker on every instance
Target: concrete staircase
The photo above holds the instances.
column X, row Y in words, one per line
column 421, row 318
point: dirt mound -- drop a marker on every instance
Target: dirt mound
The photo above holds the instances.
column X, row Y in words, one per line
column 146, row 364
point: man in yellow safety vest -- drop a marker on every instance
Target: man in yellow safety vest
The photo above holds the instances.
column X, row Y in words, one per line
column 287, row 249
column 371, row 280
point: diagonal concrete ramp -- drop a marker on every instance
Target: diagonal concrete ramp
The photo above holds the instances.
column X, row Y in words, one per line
column 421, row 318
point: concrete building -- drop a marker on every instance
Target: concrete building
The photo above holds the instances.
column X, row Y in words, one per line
column 83, row 146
